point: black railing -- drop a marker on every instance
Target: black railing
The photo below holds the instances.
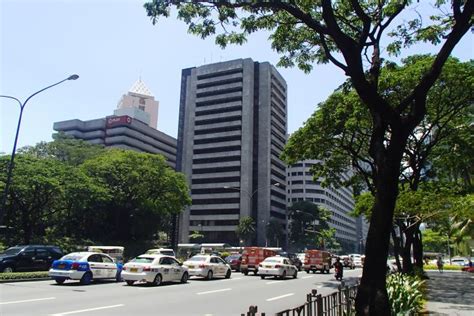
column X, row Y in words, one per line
column 340, row 303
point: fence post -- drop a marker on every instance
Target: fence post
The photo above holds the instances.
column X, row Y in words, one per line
column 319, row 304
column 339, row 301
column 347, row 300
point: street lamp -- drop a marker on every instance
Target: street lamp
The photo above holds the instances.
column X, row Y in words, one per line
column 251, row 195
column 10, row 166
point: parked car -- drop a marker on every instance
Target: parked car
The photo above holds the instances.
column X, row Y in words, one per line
column 29, row 258
column 234, row 261
column 85, row 267
column 356, row 258
column 460, row 261
column 277, row 266
column 154, row 269
column 208, row 266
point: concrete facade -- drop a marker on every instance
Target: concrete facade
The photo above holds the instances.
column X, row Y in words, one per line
column 232, row 128
column 302, row 187
column 121, row 132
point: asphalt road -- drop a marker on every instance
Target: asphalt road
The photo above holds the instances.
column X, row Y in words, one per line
column 197, row 297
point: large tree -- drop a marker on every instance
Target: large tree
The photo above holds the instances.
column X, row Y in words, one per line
column 350, row 34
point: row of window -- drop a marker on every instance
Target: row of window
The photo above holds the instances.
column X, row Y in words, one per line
column 222, row 139
column 216, row 180
column 216, row 74
column 228, row 222
column 216, row 150
column 216, row 170
column 218, row 92
column 215, row 120
column 218, row 130
column 223, row 109
column 214, row 212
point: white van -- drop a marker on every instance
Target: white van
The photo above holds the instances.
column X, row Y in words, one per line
column 356, row 259
column 161, row 251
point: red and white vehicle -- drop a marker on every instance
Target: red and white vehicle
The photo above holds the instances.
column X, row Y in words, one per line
column 317, row 260
column 252, row 256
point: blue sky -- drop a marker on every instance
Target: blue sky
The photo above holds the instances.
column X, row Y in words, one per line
column 110, row 44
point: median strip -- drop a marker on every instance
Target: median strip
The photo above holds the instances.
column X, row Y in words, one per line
column 27, row 301
column 279, row 297
column 215, row 291
column 87, row 310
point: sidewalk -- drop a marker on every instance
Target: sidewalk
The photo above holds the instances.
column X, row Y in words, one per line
column 450, row 293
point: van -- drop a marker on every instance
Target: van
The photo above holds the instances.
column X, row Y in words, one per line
column 161, row 251
column 252, row 256
column 317, row 260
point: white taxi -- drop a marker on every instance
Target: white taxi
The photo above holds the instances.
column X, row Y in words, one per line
column 278, row 267
column 86, row 267
column 208, row 266
column 154, row 269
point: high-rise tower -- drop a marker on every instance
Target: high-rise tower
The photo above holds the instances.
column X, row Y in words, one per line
column 232, row 129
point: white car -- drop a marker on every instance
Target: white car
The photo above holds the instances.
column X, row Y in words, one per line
column 356, row 259
column 277, row 267
column 161, row 251
column 154, row 269
column 459, row 261
column 86, row 267
column 208, row 266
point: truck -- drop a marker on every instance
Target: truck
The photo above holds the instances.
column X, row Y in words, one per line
column 252, row 256
column 317, row 260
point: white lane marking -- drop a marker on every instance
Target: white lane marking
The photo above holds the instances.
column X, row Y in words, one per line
column 87, row 310
column 215, row 291
column 319, row 286
column 26, row 301
column 308, row 277
column 231, row 279
column 273, row 282
column 279, row 297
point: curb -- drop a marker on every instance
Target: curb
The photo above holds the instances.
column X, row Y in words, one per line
column 24, row 280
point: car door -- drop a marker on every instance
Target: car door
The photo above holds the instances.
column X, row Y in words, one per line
column 97, row 267
column 286, row 266
column 166, row 269
column 222, row 266
column 177, row 270
column 26, row 260
column 214, row 266
column 42, row 259
column 110, row 267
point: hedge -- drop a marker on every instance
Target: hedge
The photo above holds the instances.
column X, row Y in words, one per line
column 23, row 275
column 445, row 267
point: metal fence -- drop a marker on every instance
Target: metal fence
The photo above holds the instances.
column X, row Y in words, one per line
column 339, row 303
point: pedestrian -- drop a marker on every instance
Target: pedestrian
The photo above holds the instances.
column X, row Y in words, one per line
column 440, row 264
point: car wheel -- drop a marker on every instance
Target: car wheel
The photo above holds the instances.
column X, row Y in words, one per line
column 209, row 275
column 307, row 271
column 245, row 272
column 295, row 275
column 185, row 277
column 60, row 280
column 283, row 275
column 157, row 280
column 8, row 270
column 262, row 277
column 227, row 275
column 86, row 278
column 130, row 282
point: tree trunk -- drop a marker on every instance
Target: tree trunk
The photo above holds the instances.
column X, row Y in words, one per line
column 396, row 249
column 406, row 255
column 372, row 298
column 418, row 248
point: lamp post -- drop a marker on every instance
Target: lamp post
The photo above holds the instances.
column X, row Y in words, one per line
column 250, row 196
column 12, row 158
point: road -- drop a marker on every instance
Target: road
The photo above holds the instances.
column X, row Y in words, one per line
column 197, row 297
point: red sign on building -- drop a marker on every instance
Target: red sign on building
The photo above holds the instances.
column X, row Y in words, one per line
column 113, row 121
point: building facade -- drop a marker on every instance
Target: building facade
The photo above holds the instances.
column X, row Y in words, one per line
column 340, row 202
column 129, row 127
column 232, row 129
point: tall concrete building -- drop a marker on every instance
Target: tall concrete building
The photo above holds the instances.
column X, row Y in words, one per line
column 339, row 201
column 128, row 128
column 232, row 129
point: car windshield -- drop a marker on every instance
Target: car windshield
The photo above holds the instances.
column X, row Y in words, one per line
column 233, row 257
column 143, row 260
column 197, row 259
column 167, row 252
column 12, row 251
column 72, row 256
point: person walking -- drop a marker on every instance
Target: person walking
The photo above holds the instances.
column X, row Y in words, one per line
column 440, row 264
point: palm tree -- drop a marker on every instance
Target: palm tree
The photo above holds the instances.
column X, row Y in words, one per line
column 246, row 229
column 274, row 232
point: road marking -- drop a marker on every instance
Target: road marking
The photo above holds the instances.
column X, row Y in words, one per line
column 308, row 277
column 87, row 310
column 279, row 297
column 26, row 301
column 215, row 291
column 231, row 279
column 273, row 282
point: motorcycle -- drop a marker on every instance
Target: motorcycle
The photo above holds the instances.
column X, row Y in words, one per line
column 338, row 274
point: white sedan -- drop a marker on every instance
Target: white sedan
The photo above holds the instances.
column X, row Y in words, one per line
column 154, row 269
column 277, row 267
column 208, row 266
column 86, row 267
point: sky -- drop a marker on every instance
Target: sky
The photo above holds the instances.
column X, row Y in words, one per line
column 112, row 43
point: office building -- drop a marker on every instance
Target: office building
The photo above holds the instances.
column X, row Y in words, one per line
column 232, row 129
column 339, row 201
column 128, row 128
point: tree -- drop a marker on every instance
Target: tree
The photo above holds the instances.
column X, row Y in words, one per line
column 246, row 230
column 349, row 34
column 275, row 233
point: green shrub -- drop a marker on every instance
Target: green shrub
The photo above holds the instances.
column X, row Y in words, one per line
column 405, row 294
column 23, row 275
column 445, row 267
column 224, row 254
